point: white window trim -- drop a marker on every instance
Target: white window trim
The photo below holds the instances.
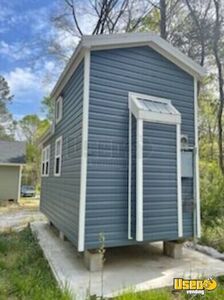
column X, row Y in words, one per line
column 58, row 156
column 44, row 160
column 60, row 100
column 174, row 119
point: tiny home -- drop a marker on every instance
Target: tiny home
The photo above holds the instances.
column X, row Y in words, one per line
column 121, row 158
column 12, row 159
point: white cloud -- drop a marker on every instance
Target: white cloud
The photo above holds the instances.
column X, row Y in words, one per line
column 22, row 80
column 18, row 117
column 15, row 51
column 28, row 83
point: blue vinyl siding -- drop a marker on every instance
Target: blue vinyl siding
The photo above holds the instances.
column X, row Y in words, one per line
column 160, row 219
column 113, row 74
column 60, row 195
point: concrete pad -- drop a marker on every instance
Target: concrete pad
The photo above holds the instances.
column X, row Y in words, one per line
column 136, row 267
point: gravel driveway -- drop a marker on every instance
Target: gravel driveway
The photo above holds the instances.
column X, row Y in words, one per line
column 16, row 220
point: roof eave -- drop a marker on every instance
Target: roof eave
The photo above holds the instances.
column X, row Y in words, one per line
column 123, row 40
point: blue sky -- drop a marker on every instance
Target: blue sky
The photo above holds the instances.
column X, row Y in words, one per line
column 23, row 26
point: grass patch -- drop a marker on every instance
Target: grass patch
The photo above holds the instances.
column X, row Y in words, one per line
column 213, row 236
column 168, row 294
column 25, row 275
column 27, row 203
column 24, row 272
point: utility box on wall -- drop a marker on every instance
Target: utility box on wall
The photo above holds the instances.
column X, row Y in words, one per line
column 187, row 163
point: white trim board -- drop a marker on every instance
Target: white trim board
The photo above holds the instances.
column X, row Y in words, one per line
column 19, row 181
column 139, row 180
column 84, row 153
column 129, row 174
column 179, row 182
column 197, row 181
column 11, row 164
column 110, row 41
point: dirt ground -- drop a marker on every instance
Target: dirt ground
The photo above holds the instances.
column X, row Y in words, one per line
column 16, row 216
column 24, row 202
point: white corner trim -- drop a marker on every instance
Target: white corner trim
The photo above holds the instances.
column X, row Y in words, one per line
column 84, row 152
column 19, row 182
column 179, row 184
column 197, row 181
column 139, row 180
column 129, row 172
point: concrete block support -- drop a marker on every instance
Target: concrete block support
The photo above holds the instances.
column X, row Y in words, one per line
column 93, row 261
column 173, row 249
column 61, row 236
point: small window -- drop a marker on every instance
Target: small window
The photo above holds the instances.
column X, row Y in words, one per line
column 45, row 165
column 58, row 155
column 58, row 109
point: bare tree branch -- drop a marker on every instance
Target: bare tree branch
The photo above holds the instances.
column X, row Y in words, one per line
column 216, row 47
column 72, row 6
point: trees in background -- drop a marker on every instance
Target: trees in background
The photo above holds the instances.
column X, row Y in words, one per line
column 218, row 50
column 47, row 107
column 7, row 125
column 196, row 27
column 193, row 26
column 32, row 129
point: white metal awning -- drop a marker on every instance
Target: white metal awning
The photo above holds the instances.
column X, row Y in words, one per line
column 153, row 109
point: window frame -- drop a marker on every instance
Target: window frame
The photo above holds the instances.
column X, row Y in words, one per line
column 44, row 160
column 59, row 105
column 56, row 156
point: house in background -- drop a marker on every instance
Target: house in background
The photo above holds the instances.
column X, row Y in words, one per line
column 122, row 157
column 12, row 159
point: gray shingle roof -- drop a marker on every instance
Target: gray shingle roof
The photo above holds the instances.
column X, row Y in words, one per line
column 12, row 152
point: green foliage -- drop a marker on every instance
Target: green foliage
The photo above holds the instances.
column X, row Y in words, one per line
column 7, row 125
column 32, row 128
column 5, row 95
column 167, row 294
column 212, row 193
column 48, row 107
column 151, row 21
column 160, row 294
column 208, row 125
column 212, row 205
column 29, row 125
column 213, row 236
column 24, row 272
